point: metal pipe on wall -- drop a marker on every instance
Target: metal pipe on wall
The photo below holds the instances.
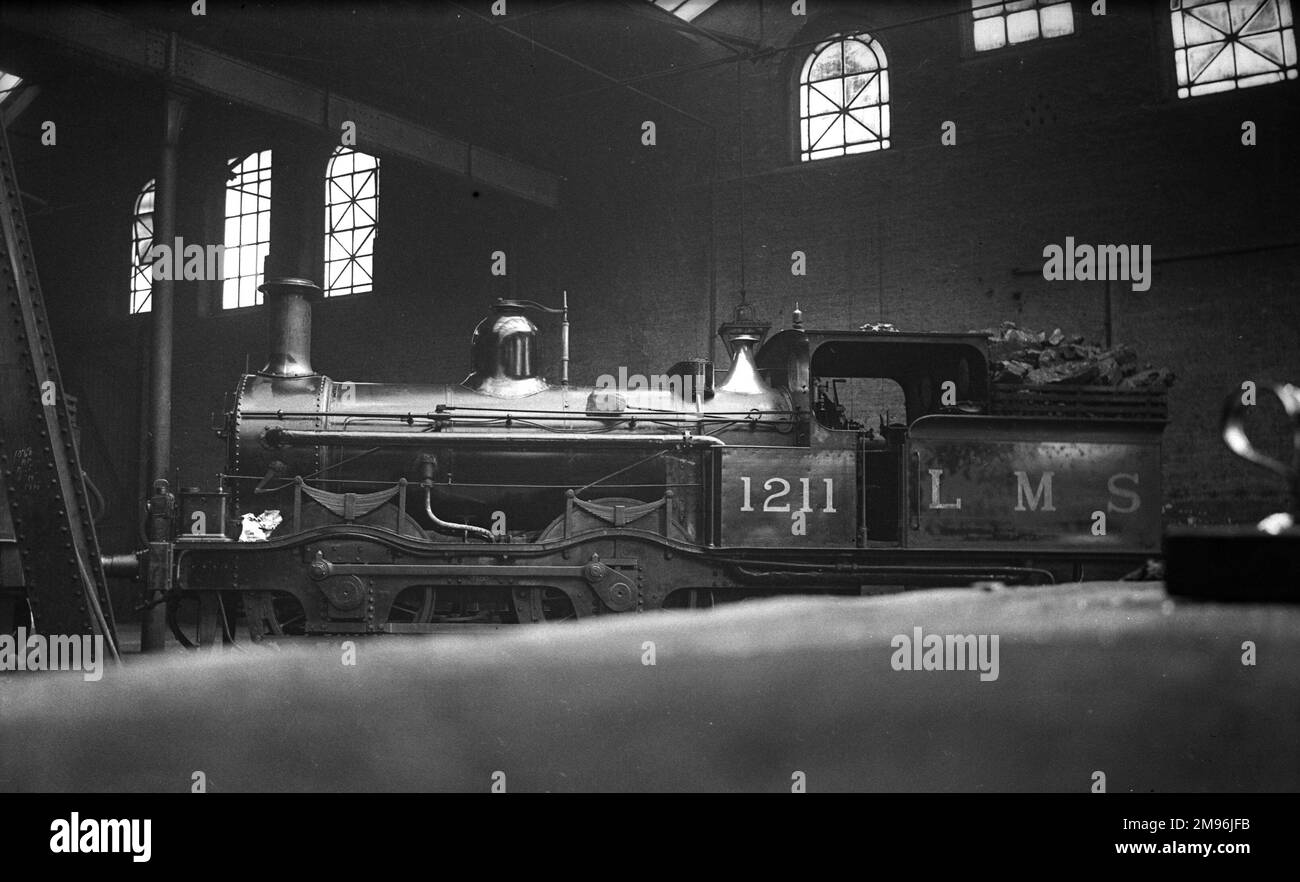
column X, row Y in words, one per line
column 153, row 627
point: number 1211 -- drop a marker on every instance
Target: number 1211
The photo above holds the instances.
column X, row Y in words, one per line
column 780, row 488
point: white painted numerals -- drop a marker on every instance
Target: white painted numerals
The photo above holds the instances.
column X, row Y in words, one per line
column 779, row 488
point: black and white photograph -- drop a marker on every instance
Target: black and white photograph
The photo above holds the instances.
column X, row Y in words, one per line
column 650, row 396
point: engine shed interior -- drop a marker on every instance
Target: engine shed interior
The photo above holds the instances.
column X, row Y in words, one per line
column 413, row 322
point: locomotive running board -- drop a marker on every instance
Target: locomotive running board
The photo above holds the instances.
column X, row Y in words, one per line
column 50, row 518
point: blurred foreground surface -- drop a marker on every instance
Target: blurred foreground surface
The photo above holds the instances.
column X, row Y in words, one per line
column 1110, row 677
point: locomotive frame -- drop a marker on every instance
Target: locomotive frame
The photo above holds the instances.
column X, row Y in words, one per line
column 757, row 486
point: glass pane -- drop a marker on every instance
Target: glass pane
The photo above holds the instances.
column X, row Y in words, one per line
column 1213, row 14
column 866, row 122
column 1022, row 26
column 828, row 64
column 819, row 126
column 822, row 99
column 1196, row 31
column 858, row 57
column 368, row 210
column 1057, row 20
column 1265, row 18
column 862, row 90
column 1200, row 57
column 1241, row 11
column 834, row 135
column 989, row 34
column 1261, row 53
column 855, row 132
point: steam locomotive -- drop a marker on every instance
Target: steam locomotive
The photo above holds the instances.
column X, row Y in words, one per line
column 840, row 462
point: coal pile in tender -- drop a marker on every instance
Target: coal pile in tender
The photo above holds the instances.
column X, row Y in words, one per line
column 1020, row 356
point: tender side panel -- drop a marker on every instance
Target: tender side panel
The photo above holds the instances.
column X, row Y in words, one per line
column 788, row 497
column 1052, row 485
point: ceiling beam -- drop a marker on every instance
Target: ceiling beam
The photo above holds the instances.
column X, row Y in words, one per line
column 111, row 38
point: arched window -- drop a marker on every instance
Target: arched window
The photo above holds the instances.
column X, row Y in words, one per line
column 1231, row 44
column 141, row 242
column 248, row 229
column 844, row 98
column 351, row 222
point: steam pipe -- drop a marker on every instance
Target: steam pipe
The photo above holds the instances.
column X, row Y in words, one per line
column 447, row 526
column 280, row 437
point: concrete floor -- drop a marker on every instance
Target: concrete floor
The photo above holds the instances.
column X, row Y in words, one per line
column 1115, row 678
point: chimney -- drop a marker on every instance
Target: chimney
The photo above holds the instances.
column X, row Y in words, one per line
column 288, row 302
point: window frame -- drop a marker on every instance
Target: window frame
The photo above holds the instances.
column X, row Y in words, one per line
column 831, row 34
column 136, row 269
column 966, row 31
column 328, row 232
column 1169, row 64
column 269, row 169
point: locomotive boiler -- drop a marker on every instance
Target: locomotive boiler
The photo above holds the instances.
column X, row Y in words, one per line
column 816, row 461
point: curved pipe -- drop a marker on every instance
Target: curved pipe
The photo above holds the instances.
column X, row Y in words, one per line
column 447, row 526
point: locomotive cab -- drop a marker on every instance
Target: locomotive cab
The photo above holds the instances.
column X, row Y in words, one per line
column 873, row 388
column 863, row 389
